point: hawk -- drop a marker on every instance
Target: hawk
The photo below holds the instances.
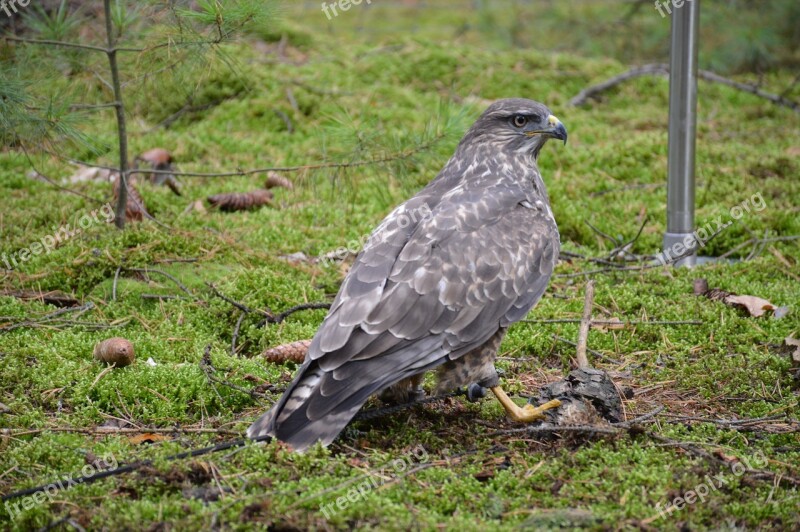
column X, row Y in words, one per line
column 436, row 285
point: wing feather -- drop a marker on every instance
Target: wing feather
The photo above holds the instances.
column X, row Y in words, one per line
column 417, row 295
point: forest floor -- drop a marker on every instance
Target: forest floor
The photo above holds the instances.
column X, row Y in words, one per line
column 392, row 113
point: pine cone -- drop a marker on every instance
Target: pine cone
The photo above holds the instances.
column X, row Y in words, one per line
column 237, row 201
column 293, row 352
column 701, row 288
column 134, row 208
column 274, row 179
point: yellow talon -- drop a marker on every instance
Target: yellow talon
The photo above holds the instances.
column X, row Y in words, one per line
column 526, row 414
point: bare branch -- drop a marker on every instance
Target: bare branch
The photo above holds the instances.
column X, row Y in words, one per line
column 60, row 187
column 660, row 69
column 49, row 42
column 389, row 158
column 609, row 322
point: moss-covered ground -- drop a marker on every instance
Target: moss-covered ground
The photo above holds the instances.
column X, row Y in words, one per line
column 404, row 100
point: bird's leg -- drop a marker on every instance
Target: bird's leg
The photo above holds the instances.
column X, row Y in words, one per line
column 406, row 391
column 527, row 413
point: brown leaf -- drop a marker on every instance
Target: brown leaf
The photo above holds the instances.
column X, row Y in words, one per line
column 293, row 352
column 134, row 207
column 241, row 201
column 274, row 179
column 795, row 343
column 754, row 305
column 51, row 297
column 117, row 351
column 90, row 173
column 161, row 160
column 485, row 475
column 147, row 437
column 156, row 157
column 725, row 457
column 197, row 206
column 249, row 377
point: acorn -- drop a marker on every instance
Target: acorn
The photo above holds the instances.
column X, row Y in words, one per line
column 116, row 351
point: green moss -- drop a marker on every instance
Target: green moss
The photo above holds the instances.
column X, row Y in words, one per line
column 357, row 99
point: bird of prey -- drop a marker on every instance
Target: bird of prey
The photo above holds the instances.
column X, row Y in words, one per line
column 436, row 285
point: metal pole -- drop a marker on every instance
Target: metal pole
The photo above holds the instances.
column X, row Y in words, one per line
column 682, row 127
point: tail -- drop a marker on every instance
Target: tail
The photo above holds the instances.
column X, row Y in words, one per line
column 317, row 406
column 288, row 420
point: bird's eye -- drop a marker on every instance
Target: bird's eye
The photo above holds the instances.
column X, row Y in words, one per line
column 519, row 121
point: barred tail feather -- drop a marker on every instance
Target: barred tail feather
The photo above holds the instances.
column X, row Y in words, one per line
column 297, row 419
column 289, row 422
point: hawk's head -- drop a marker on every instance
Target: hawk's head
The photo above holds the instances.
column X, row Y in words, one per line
column 516, row 125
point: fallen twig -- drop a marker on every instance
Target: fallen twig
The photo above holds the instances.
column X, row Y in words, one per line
column 566, row 255
column 114, row 286
column 237, row 327
column 112, row 431
column 661, row 69
column 761, row 424
column 209, row 369
column 753, row 473
column 303, row 167
column 755, row 241
column 297, row 308
column 55, row 184
column 241, row 306
column 634, row 186
column 601, row 233
column 48, row 317
column 609, row 322
column 162, row 297
column 635, row 421
column 623, row 247
column 165, row 274
column 592, row 351
column 654, row 264
column 583, row 330
column 102, row 374
column 88, row 479
column 587, row 429
column 51, row 297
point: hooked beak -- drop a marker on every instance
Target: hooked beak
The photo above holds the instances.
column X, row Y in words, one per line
column 557, row 129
